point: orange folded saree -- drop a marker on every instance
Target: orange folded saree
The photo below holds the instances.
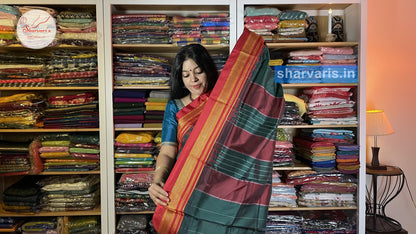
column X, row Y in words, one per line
column 221, row 182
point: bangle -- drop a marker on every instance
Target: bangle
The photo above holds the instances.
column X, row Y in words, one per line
column 160, row 167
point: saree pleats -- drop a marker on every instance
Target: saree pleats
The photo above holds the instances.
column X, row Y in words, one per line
column 221, row 182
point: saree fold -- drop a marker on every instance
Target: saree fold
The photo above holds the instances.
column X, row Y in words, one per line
column 222, row 179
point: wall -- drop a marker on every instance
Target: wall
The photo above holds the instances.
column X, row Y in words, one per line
column 391, row 86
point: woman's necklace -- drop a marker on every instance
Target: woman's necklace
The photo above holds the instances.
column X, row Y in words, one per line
column 190, row 97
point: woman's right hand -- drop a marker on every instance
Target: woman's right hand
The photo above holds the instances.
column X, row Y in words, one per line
column 158, row 194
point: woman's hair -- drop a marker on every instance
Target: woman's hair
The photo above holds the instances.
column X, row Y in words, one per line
column 200, row 55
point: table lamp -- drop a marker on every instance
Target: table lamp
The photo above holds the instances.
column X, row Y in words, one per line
column 377, row 125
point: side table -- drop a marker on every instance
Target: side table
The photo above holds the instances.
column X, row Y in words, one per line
column 385, row 185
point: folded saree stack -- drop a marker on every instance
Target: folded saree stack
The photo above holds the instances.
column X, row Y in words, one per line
column 295, row 108
column 128, row 108
column 219, row 60
column 72, row 111
column 72, row 68
column 70, row 192
column 348, row 160
column 69, row 152
column 263, row 21
column 316, row 189
column 22, row 110
column 284, row 223
column 320, row 155
column 135, row 151
column 140, row 29
column 139, row 223
column 331, row 221
column 77, row 28
column 8, row 21
column 292, row 26
column 330, row 105
column 155, row 108
column 283, row 152
column 42, row 225
column 283, row 195
column 215, row 28
column 14, row 158
column 132, row 194
column 132, row 69
column 24, row 196
column 84, row 224
column 22, row 70
column 186, row 30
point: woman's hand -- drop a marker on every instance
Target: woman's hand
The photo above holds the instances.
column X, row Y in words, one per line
column 158, row 194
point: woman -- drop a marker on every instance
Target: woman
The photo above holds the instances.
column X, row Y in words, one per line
column 221, row 180
column 194, row 73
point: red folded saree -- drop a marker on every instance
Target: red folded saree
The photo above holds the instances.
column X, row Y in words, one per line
column 222, row 179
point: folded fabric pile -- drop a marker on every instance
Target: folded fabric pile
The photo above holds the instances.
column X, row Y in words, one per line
column 330, row 105
column 263, row 21
column 8, row 21
column 129, row 108
column 140, row 29
column 284, row 223
column 283, row 195
column 73, row 68
column 53, row 146
column 317, row 189
column 295, row 108
column 292, row 26
column 84, row 225
column 22, row 110
column 328, row 193
column 283, row 152
column 136, row 223
column 82, row 153
column 70, row 192
column 22, row 70
column 348, row 161
column 155, row 108
column 9, row 224
column 132, row 194
column 14, row 158
column 329, row 135
column 215, row 28
column 219, row 59
column 132, row 69
column 72, row 111
column 47, row 225
column 331, row 221
column 135, row 151
column 186, row 30
column 338, row 56
column 77, row 28
column 320, row 155
column 24, row 196
column 304, row 57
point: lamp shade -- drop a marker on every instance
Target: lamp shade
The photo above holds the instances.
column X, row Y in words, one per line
column 378, row 124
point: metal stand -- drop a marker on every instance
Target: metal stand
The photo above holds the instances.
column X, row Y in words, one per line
column 391, row 183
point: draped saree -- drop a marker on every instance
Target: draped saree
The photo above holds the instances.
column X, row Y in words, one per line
column 221, row 182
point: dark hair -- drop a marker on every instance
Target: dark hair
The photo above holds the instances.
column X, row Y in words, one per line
column 202, row 58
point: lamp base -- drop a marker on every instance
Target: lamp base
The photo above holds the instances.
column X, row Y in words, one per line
column 375, row 164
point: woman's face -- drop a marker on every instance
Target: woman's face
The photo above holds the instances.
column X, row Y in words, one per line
column 194, row 78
